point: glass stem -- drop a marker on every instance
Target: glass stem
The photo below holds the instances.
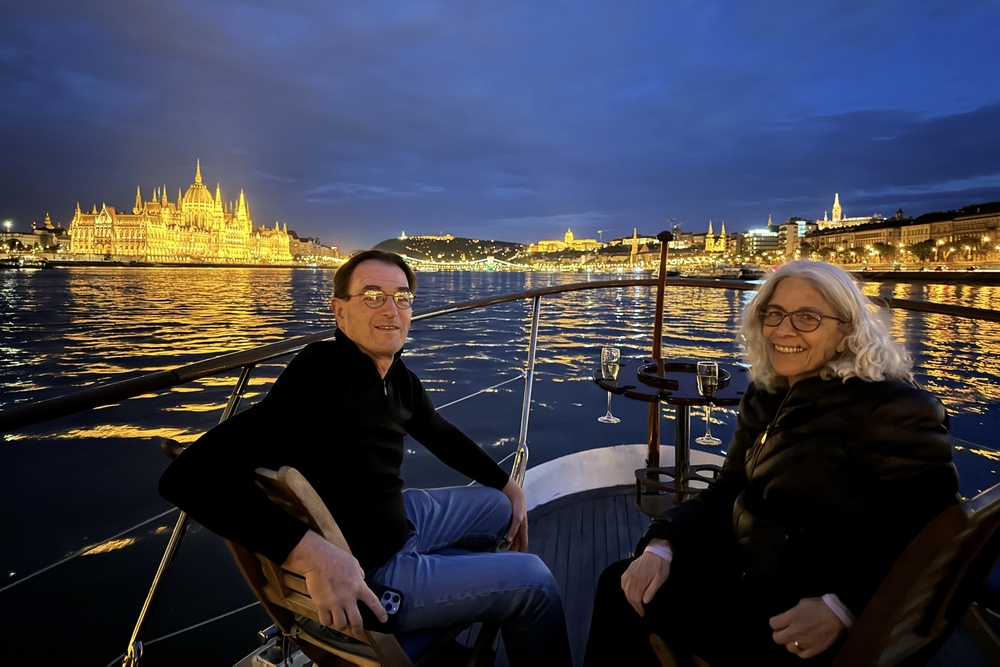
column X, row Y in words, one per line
column 708, row 421
column 609, row 403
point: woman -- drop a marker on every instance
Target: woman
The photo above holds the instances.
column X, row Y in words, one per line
column 837, row 463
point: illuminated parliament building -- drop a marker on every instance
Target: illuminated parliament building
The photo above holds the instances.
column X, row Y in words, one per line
column 195, row 228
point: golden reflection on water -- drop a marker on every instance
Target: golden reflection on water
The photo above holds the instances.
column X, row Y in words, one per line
column 84, row 326
column 72, row 328
column 109, row 546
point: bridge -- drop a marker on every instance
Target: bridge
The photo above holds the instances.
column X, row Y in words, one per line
column 489, row 263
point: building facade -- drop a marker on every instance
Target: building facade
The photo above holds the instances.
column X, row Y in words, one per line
column 569, row 242
column 971, row 233
column 198, row 227
column 837, row 219
column 713, row 243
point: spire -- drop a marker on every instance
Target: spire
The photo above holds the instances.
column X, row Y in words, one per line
column 197, row 172
column 138, row 200
column 164, row 195
column 723, row 232
column 241, row 207
column 770, row 223
column 837, row 210
column 710, row 233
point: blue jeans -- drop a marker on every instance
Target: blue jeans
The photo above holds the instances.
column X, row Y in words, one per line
column 450, row 572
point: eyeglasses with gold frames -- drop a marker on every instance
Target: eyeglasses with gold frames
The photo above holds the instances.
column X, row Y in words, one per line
column 374, row 298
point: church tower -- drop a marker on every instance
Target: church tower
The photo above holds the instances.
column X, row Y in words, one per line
column 715, row 243
column 837, row 211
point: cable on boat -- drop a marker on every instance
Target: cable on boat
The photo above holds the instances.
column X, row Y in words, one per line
column 84, row 550
column 483, row 391
column 118, row 660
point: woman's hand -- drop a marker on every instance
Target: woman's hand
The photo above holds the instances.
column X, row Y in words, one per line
column 808, row 628
column 517, row 535
column 644, row 577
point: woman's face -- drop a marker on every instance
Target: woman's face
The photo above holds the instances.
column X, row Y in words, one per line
column 796, row 354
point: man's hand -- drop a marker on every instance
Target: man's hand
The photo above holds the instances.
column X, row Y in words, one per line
column 643, row 579
column 808, row 628
column 335, row 582
column 517, row 536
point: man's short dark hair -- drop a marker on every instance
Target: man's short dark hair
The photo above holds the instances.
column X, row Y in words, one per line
column 342, row 278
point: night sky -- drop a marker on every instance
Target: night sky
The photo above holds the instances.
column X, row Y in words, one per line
column 511, row 120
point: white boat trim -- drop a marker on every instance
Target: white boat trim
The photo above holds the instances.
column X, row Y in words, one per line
column 600, row 468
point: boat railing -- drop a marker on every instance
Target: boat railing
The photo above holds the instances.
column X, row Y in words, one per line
column 20, row 416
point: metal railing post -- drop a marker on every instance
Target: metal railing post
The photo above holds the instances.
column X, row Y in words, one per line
column 134, row 652
column 520, row 466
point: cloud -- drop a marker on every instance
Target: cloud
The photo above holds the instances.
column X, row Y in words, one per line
column 352, row 121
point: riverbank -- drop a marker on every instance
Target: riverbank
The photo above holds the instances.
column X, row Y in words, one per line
column 64, row 263
column 945, row 277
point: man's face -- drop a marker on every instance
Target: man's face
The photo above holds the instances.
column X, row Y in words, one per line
column 379, row 332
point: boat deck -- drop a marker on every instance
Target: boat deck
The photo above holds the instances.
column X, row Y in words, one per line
column 578, row 536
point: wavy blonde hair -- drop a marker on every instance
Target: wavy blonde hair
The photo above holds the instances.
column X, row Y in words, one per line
column 870, row 353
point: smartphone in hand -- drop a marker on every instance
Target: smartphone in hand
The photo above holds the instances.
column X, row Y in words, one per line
column 391, row 600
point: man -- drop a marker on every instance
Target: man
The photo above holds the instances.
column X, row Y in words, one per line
column 338, row 413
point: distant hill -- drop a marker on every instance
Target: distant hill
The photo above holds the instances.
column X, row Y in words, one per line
column 452, row 249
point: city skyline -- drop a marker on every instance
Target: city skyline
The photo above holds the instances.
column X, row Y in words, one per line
column 512, row 121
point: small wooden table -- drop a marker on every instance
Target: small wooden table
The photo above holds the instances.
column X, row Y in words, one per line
column 674, row 383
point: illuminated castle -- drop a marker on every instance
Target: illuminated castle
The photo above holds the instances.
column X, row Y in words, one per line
column 569, row 242
column 195, row 228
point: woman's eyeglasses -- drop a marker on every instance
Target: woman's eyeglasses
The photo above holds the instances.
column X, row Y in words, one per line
column 374, row 298
column 802, row 320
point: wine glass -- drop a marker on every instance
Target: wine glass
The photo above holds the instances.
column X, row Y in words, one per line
column 708, row 383
column 609, row 371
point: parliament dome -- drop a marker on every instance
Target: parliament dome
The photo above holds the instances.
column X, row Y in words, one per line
column 198, row 193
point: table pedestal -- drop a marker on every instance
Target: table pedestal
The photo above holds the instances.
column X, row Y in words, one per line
column 674, row 383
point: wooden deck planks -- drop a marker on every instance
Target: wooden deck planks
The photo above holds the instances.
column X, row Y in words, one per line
column 577, row 538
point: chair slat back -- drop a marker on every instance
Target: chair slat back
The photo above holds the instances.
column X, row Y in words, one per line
column 930, row 587
column 283, row 593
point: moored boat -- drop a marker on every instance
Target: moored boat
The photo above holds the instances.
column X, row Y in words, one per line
column 23, row 262
column 726, row 271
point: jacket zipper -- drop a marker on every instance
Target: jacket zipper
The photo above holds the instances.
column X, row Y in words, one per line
column 759, row 445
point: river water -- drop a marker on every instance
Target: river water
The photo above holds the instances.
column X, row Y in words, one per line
column 80, row 480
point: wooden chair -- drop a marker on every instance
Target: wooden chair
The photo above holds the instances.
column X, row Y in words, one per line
column 284, row 596
column 930, row 589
